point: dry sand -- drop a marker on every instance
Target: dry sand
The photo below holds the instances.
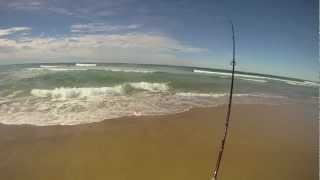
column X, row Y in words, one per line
column 265, row 143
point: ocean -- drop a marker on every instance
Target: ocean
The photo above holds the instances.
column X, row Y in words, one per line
column 70, row 94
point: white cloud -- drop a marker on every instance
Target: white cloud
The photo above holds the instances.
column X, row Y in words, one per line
column 93, row 28
column 24, row 4
column 61, row 11
column 83, row 9
column 147, row 48
column 35, row 5
column 105, row 13
column 9, row 31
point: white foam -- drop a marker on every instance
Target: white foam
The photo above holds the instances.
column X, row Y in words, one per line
column 210, row 72
column 15, row 93
column 65, row 93
column 66, row 69
column 123, row 69
column 304, row 83
column 236, row 75
column 254, row 80
column 76, row 93
column 257, row 78
column 56, row 69
column 219, row 95
column 152, row 87
column 47, row 66
column 190, row 94
column 80, row 111
column 71, row 106
column 86, row 65
column 81, row 67
column 229, row 74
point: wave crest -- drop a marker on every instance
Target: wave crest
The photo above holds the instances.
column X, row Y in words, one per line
column 85, row 65
column 261, row 79
column 135, row 70
column 152, row 87
column 64, row 93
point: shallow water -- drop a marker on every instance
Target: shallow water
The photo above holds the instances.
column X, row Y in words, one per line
column 68, row 94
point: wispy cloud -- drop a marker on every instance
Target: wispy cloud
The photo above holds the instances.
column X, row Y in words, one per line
column 14, row 30
column 24, row 4
column 36, row 5
column 83, row 9
column 61, row 11
column 96, row 46
column 93, row 28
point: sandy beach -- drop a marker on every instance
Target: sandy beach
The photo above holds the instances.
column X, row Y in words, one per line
column 265, row 143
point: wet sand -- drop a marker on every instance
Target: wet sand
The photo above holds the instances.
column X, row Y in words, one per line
column 265, row 143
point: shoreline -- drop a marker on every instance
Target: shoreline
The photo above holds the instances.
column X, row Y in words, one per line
column 281, row 145
column 150, row 116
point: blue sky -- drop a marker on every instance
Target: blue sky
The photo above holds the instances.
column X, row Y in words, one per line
column 277, row 37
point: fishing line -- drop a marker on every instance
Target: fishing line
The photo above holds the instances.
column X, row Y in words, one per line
column 223, row 141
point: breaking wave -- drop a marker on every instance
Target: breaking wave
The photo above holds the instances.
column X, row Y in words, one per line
column 72, row 106
column 55, row 68
column 45, row 97
column 64, row 93
column 190, row 94
column 85, row 65
column 48, row 66
column 136, row 70
column 257, row 78
column 153, row 87
column 218, row 95
column 69, row 93
column 254, row 80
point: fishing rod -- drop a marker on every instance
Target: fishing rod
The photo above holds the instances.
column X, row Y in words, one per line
column 223, row 141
